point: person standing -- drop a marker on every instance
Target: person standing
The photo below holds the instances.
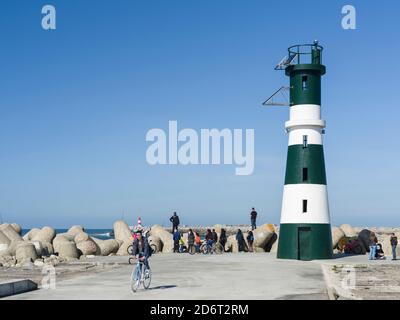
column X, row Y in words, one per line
column 209, row 240
column 253, row 218
column 176, row 237
column 215, row 236
column 190, row 240
column 223, row 238
column 240, row 240
column 197, row 240
column 250, row 240
column 175, row 222
column 393, row 242
column 372, row 247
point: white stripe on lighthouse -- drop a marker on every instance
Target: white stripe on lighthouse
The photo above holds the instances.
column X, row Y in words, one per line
column 317, row 204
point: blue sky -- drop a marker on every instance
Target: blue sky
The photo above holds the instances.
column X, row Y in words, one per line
column 77, row 102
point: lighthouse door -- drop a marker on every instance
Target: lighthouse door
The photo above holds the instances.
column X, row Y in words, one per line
column 304, row 243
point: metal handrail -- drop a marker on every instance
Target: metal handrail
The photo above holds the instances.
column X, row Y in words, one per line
column 299, row 51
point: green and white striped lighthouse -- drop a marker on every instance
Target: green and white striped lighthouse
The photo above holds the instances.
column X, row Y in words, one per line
column 305, row 231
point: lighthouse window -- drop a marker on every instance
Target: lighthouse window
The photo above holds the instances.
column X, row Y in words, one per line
column 304, row 206
column 304, row 81
column 305, row 174
column 305, row 141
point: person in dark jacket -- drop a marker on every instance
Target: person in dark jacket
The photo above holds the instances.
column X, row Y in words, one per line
column 141, row 248
column 209, row 240
column 240, row 240
column 176, row 237
column 215, row 236
column 393, row 243
column 253, row 218
column 223, row 238
column 250, row 240
column 190, row 240
column 175, row 222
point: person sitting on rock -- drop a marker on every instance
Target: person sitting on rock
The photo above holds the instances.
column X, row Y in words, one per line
column 141, row 248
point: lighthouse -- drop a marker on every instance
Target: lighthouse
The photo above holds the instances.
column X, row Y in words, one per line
column 305, row 231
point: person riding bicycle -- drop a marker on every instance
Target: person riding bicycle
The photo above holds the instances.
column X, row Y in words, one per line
column 141, row 247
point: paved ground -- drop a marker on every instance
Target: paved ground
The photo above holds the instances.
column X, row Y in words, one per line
column 182, row 276
column 227, row 276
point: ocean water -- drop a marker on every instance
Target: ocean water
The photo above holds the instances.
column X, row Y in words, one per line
column 103, row 234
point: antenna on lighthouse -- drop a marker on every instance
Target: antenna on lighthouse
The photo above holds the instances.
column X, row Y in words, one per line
column 280, row 98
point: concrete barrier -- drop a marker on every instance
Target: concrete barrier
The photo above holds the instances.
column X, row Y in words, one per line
column 16, row 286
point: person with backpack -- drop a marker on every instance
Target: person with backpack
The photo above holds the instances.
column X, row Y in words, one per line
column 393, row 242
column 240, row 240
column 253, row 218
column 250, row 240
column 223, row 238
column 175, row 222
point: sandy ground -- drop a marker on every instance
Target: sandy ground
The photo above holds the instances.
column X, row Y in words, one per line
column 226, row 276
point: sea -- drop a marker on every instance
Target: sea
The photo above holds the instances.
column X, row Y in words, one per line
column 103, row 234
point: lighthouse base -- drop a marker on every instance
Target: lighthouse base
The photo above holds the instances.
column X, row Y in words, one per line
column 309, row 241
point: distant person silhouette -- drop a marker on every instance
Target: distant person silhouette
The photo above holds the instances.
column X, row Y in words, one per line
column 175, row 222
column 253, row 218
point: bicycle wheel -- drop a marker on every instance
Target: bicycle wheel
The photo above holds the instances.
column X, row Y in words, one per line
column 135, row 278
column 130, row 250
column 147, row 278
column 204, row 248
column 217, row 248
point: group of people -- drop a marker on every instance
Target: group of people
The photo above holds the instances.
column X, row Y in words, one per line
column 211, row 237
column 375, row 248
column 194, row 241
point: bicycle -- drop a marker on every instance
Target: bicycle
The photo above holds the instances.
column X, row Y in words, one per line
column 216, row 248
column 140, row 275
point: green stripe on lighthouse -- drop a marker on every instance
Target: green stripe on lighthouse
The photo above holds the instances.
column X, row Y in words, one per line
column 305, row 241
column 305, row 164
